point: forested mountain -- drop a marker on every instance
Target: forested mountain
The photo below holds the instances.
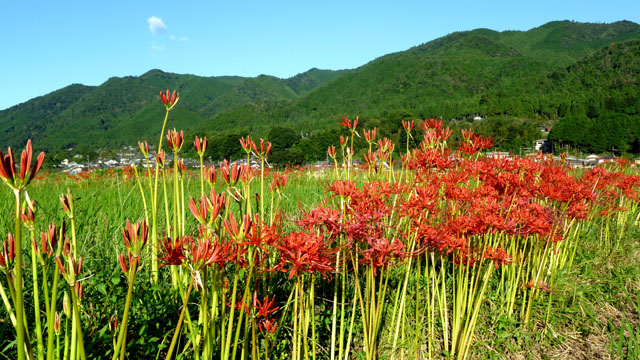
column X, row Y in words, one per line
column 517, row 79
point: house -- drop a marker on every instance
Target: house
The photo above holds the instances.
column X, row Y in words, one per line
column 542, row 145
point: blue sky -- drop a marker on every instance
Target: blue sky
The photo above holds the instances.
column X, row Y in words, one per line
column 47, row 45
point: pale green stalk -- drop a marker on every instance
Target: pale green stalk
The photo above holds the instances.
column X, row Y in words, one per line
column 18, row 280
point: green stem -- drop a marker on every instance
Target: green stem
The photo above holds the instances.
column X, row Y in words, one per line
column 177, row 332
column 36, row 300
column 19, row 301
column 120, row 344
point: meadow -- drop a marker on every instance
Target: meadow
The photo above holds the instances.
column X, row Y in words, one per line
column 431, row 252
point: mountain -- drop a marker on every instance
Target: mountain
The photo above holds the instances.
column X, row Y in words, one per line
column 543, row 74
column 124, row 110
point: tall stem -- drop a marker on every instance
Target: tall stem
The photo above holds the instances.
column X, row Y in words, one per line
column 19, row 301
column 177, row 333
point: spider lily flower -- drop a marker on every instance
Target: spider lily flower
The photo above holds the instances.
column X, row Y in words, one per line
column 200, row 145
column 267, row 326
column 247, row 144
column 169, row 100
column 230, row 174
column 172, row 251
column 132, row 260
column 8, row 254
column 67, row 203
column 182, row 168
column 135, row 236
column 264, row 308
column 144, row 148
column 210, row 175
column 346, row 122
column 331, row 151
column 263, row 152
column 175, row 140
column 28, row 215
column 160, row 158
column 279, row 182
column 408, row 125
column 370, row 135
column 201, row 213
column 19, row 180
column 237, row 233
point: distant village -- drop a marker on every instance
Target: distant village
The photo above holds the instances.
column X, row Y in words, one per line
column 130, row 155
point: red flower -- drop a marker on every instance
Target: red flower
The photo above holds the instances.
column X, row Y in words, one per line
column 172, row 251
column 200, row 145
column 175, row 139
column 264, row 308
column 169, row 101
column 23, row 178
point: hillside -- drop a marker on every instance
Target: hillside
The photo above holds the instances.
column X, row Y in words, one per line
column 543, row 74
column 124, row 110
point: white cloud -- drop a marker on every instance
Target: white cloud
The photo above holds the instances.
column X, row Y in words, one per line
column 182, row 38
column 156, row 25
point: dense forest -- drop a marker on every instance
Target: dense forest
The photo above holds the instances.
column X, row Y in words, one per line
column 580, row 79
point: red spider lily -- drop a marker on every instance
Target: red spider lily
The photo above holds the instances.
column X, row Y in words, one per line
column 537, row 285
column 246, row 173
column 383, row 155
column 175, row 139
column 263, row 152
column 323, row 218
column 123, row 263
column 381, row 251
column 113, row 323
column 386, row 145
column 160, row 158
column 8, row 254
column 344, row 188
column 144, row 148
column 172, row 251
column 28, row 214
column 182, row 168
column 498, row 256
column 371, row 159
column 408, row 125
column 67, row 203
column 48, row 242
column 331, row 151
column 210, row 175
column 431, row 123
column 169, row 101
column 56, row 323
column 264, row 308
column 279, row 182
column 267, row 326
column 236, row 233
column 200, row 145
column 344, row 121
column 135, row 236
column 370, row 135
column 230, row 174
column 76, row 266
column 218, row 202
column 343, row 142
column 200, row 212
column 205, row 252
column 304, row 252
column 474, row 143
column 8, row 171
column 247, row 144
